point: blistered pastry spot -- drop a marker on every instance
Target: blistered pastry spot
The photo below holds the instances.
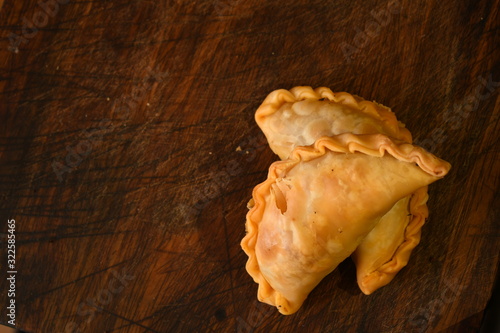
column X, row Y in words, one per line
column 280, row 199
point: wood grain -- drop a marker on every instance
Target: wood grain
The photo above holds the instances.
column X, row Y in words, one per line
column 128, row 152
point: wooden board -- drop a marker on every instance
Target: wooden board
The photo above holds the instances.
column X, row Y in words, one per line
column 128, row 152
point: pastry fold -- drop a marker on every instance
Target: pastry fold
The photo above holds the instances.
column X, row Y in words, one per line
column 322, row 203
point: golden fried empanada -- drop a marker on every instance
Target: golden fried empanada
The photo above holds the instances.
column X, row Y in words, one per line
column 300, row 116
column 318, row 206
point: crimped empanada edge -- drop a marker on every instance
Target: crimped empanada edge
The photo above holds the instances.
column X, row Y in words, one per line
column 384, row 274
column 266, row 292
column 374, row 145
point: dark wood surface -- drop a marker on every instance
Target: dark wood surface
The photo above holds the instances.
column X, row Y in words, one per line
column 129, row 151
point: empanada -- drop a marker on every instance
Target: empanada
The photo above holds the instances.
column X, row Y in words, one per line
column 319, row 205
column 302, row 115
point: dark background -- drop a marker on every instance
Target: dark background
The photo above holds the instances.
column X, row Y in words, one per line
column 128, row 152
